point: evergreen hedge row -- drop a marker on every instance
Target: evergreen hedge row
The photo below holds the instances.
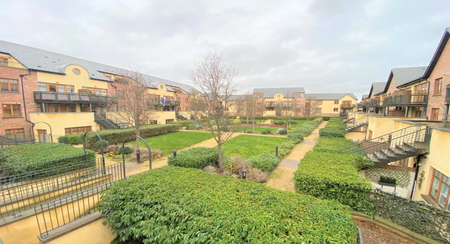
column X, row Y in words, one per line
column 28, row 158
column 181, row 205
column 197, row 157
column 118, row 136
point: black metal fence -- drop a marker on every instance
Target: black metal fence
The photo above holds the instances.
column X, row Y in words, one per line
column 418, row 217
column 20, row 193
column 57, row 213
column 10, row 142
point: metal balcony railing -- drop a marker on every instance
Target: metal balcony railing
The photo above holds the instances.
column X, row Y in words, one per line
column 62, row 97
column 346, row 105
column 405, row 100
column 374, row 104
column 166, row 103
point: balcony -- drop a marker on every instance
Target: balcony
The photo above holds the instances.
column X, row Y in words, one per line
column 165, row 103
column 375, row 103
column 362, row 105
column 406, row 100
column 347, row 105
column 62, row 97
column 271, row 104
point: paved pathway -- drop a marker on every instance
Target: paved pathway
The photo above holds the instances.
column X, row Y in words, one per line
column 283, row 176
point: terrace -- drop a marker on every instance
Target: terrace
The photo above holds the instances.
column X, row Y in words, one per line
column 406, row 100
column 63, row 97
column 347, row 105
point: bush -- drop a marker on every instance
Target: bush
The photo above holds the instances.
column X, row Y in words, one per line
column 265, row 132
column 287, row 145
column 183, row 123
column 29, row 158
column 332, row 132
column 63, row 139
column 281, row 122
column 197, row 157
column 75, row 139
column 173, row 204
column 326, row 118
column 332, row 143
column 236, row 121
column 389, row 180
column 294, row 137
column 282, row 132
column 334, row 176
column 119, row 135
column 98, row 144
column 125, row 150
column 264, row 162
column 292, row 122
column 318, row 120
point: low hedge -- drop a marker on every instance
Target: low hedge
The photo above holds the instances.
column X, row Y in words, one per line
column 332, row 132
column 197, row 157
column 334, row 176
column 318, row 120
column 264, row 162
column 336, row 122
column 118, row 136
column 179, row 205
column 28, row 158
column 283, row 118
column 75, row 139
column 282, row 132
column 183, row 123
column 327, row 143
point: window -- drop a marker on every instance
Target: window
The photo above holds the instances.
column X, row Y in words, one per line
column 11, row 110
column 319, row 102
column 42, row 136
column 153, row 122
column 104, row 92
column 55, row 87
column 169, row 120
column 438, row 86
column 435, row 114
column 420, row 89
column 335, row 109
column 57, row 108
column 77, row 130
column 440, row 189
column 3, row 62
column 15, row 133
column 9, row 85
column 76, row 71
column 42, row 86
column 336, row 101
column 96, row 91
column 154, row 98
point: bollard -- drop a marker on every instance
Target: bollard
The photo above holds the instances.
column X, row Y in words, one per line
column 138, row 156
column 244, row 174
column 174, row 153
column 276, row 151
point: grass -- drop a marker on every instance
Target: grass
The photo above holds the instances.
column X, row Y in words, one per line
column 174, row 141
column 257, row 129
column 247, row 146
column 299, row 121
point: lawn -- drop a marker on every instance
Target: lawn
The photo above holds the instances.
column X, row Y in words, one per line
column 174, row 141
column 250, row 128
column 246, row 146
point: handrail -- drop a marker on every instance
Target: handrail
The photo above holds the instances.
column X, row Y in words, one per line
column 40, row 96
column 406, row 99
column 6, row 141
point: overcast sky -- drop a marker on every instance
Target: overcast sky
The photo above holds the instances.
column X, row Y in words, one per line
column 323, row 46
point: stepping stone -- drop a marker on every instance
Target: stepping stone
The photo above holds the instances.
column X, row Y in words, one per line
column 289, row 163
column 309, row 142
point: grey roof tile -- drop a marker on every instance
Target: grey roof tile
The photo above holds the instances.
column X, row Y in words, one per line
column 365, row 96
column 328, row 96
column 285, row 91
column 377, row 88
column 42, row 60
column 405, row 75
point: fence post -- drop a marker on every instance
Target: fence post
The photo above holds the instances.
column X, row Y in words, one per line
column 276, row 151
column 174, row 153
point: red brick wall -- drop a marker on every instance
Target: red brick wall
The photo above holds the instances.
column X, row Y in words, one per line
column 183, row 103
column 30, row 85
column 441, row 70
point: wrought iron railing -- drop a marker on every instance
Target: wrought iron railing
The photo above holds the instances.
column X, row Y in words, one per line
column 106, row 122
column 9, row 142
column 59, row 212
column 405, row 100
column 346, row 105
column 20, row 193
column 63, row 97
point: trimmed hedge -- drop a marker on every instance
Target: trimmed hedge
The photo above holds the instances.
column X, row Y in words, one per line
column 197, row 157
column 327, row 143
column 318, row 120
column 334, row 176
column 179, row 205
column 282, row 118
column 125, row 150
column 332, row 132
column 264, row 162
column 119, row 135
column 75, row 139
column 282, row 132
column 28, row 158
column 183, row 123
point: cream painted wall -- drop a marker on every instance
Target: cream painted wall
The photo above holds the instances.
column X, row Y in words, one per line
column 328, row 106
column 78, row 81
column 160, row 116
column 60, row 121
column 162, row 91
column 12, row 62
column 384, row 125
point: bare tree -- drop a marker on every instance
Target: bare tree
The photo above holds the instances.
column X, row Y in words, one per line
column 286, row 108
column 310, row 108
column 251, row 107
column 134, row 106
column 213, row 78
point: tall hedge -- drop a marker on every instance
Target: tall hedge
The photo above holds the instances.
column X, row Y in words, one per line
column 119, row 135
column 181, row 205
column 29, row 158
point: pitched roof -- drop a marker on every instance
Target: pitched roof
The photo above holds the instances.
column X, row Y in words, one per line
column 438, row 53
column 365, row 96
column 285, row 91
column 377, row 88
column 42, row 60
column 328, row 96
column 406, row 75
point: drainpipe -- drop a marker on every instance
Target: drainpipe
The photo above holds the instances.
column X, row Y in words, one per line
column 428, row 98
column 23, row 100
column 416, row 165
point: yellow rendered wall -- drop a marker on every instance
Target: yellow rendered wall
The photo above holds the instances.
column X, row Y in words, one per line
column 160, row 116
column 78, row 81
column 438, row 158
column 269, row 113
column 12, row 62
column 162, row 91
column 328, row 106
column 384, row 125
column 60, row 121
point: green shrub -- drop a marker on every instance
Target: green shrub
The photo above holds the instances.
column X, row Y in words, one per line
column 292, row 122
column 280, row 122
column 264, row 162
column 282, row 152
column 125, row 150
column 287, row 145
column 63, row 139
column 332, row 143
column 334, row 176
column 75, row 139
column 282, row 132
column 119, row 135
column 282, row 118
column 332, row 132
column 326, row 118
column 183, row 123
column 318, row 120
column 265, row 132
column 197, row 157
column 98, row 144
column 29, row 158
column 294, row 137
column 386, row 179
column 236, row 121
column 336, row 122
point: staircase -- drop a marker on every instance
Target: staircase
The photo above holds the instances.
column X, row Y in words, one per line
column 398, row 145
column 358, row 124
column 349, row 120
column 106, row 123
column 181, row 117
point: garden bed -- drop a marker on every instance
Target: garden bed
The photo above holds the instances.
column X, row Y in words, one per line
column 178, row 204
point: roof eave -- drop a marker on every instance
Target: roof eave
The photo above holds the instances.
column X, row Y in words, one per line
column 437, row 54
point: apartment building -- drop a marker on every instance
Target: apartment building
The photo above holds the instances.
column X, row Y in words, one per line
column 45, row 93
column 275, row 100
column 373, row 103
column 331, row 104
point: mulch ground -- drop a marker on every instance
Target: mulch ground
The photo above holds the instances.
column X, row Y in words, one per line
column 373, row 234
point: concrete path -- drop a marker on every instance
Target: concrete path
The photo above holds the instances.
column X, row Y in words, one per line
column 283, row 176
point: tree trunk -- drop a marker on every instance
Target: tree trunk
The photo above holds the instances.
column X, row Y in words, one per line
column 219, row 150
